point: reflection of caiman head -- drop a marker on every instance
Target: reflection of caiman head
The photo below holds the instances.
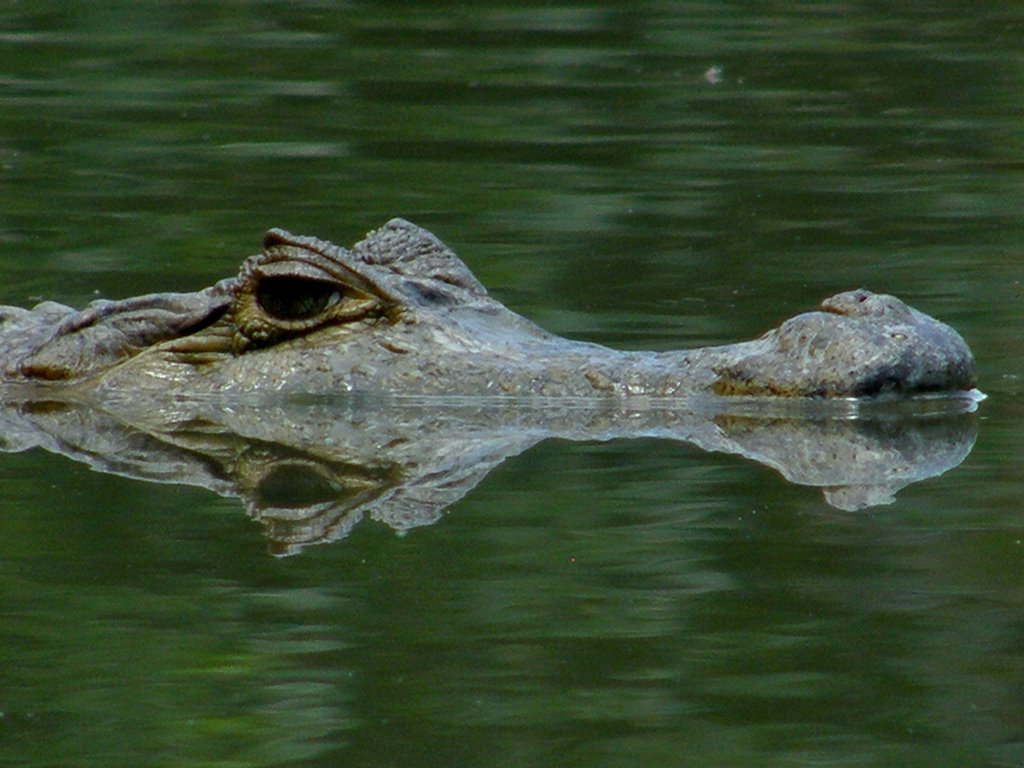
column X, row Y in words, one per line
column 309, row 471
column 401, row 314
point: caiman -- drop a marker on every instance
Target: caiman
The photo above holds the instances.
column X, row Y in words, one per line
column 400, row 314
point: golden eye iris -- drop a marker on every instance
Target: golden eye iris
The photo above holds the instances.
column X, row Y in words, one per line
column 295, row 298
column 281, row 300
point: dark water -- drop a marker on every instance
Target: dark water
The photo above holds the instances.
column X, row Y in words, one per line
column 646, row 175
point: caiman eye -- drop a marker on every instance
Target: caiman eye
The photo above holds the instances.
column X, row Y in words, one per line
column 295, row 298
column 270, row 307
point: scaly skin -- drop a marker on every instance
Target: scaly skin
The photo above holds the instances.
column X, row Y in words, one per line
column 401, row 314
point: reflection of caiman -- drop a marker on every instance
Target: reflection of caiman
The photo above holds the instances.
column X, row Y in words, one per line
column 400, row 314
column 309, row 470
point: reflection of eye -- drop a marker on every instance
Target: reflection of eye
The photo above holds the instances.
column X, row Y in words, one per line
column 294, row 486
column 295, row 298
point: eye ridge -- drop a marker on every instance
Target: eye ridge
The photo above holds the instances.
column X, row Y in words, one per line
column 296, row 298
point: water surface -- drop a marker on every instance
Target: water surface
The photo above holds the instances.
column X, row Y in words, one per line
column 647, row 175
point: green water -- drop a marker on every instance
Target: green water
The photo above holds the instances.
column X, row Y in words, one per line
column 646, row 175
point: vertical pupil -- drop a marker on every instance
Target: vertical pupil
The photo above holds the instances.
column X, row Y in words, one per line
column 295, row 298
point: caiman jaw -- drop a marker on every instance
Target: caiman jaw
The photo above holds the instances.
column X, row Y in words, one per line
column 107, row 333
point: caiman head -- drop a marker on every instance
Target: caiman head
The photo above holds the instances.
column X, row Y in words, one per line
column 300, row 292
column 399, row 313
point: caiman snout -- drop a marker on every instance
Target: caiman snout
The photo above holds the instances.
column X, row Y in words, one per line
column 861, row 344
